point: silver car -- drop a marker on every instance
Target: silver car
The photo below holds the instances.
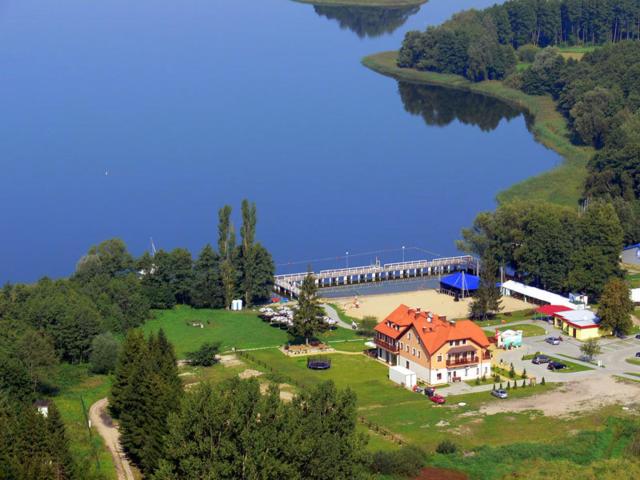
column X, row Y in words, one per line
column 552, row 340
column 500, row 393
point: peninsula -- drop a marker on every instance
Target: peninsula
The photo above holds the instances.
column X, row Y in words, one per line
column 561, row 185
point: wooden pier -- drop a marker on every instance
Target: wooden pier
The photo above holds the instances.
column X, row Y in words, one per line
column 289, row 284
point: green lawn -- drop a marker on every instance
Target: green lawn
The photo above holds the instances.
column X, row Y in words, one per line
column 509, row 317
column 528, row 330
column 633, row 361
column 242, row 330
column 634, row 280
column 231, row 329
column 76, row 383
column 563, row 184
column 575, row 52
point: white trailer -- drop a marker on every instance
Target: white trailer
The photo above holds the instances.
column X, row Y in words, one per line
column 402, row 376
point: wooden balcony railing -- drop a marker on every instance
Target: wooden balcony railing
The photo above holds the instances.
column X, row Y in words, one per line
column 387, row 346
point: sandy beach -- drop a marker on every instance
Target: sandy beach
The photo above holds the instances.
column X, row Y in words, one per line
column 380, row 306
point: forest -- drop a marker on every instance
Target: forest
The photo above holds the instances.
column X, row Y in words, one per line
column 79, row 319
column 519, row 43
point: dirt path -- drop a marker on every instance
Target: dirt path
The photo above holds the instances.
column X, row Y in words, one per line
column 575, row 396
column 101, row 420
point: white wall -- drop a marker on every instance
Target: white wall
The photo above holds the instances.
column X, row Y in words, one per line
column 421, row 372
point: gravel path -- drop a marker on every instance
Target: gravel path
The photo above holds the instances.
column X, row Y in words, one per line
column 101, row 420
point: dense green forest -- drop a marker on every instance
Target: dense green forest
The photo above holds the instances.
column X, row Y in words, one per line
column 78, row 320
column 599, row 95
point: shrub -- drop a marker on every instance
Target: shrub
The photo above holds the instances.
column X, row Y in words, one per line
column 512, row 371
column 446, row 447
column 366, row 326
column 508, row 385
column 407, row 461
column 205, row 356
column 104, row 353
column 527, row 53
column 515, row 384
column 524, row 383
column 543, row 382
column 634, row 445
column 524, row 373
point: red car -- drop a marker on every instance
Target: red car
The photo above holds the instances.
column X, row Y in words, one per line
column 439, row 399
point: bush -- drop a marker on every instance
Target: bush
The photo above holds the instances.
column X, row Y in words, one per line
column 104, row 353
column 205, row 356
column 366, row 326
column 446, row 447
column 542, row 382
column 512, row 372
column 527, row 53
column 406, row 461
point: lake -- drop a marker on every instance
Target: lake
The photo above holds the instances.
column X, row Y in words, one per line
column 141, row 119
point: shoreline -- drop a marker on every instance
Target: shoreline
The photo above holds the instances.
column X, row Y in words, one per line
column 364, row 3
column 562, row 184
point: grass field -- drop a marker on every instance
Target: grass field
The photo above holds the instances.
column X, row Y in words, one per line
column 634, row 280
column 575, row 52
column 562, row 185
column 242, row 330
column 77, row 385
column 571, row 366
column 528, row 330
column 633, row 361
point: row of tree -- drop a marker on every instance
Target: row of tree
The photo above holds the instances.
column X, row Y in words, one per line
column 480, row 44
column 33, row 446
column 552, row 247
column 214, row 279
column 145, row 391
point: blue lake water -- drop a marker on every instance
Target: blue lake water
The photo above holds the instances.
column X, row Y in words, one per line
column 191, row 104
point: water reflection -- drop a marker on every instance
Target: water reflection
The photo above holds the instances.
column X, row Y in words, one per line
column 367, row 21
column 440, row 106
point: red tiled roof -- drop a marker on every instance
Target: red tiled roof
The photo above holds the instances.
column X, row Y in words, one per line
column 551, row 309
column 434, row 331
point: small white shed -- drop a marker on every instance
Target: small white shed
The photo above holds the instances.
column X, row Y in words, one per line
column 402, row 376
column 635, row 295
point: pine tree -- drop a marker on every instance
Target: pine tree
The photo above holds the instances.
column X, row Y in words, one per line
column 307, row 320
column 207, row 290
column 486, row 302
column 62, row 461
column 134, row 350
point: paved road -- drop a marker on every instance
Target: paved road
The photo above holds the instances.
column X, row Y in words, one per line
column 101, row 420
column 332, row 314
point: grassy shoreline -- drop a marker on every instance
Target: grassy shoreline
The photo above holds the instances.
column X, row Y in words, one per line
column 563, row 184
column 364, row 3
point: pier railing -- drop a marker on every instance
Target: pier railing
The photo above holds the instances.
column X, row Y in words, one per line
column 289, row 284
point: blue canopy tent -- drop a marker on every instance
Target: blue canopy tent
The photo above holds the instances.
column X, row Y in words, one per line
column 459, row 284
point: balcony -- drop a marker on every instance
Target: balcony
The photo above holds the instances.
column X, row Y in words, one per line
column 463, row 361
column 486, row 355
column 387, row 346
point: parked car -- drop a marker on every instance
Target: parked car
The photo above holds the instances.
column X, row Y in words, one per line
column 556, row 366
column 638, row 336
column 429, row 391
column 553, row 340
column 436, row 398
column 500, row 393
column 538, row 359
column 637, row 354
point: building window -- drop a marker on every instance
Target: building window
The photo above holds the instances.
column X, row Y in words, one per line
column 414, row 352
column 418, row 353
column 407, row 348
column 451, row 343
column 439, row 358
column 464, row 342
column 439, row 376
